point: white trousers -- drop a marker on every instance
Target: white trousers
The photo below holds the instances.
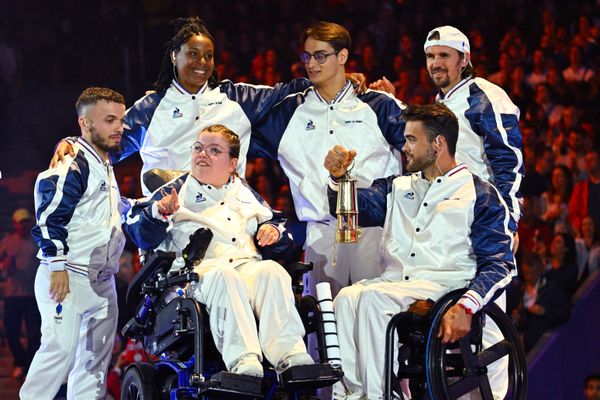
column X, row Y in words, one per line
column 77, row 339
column 234, row 297
column 363, row 312
column 353, row 261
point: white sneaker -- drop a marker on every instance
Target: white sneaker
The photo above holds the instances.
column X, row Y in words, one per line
column 248, row 365
column 339, row 392
column 294, row 360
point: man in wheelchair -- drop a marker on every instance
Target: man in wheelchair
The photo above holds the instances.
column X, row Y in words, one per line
column 236, row 285
column 444, row 229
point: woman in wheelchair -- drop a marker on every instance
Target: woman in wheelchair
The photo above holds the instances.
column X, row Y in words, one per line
column 237, row 286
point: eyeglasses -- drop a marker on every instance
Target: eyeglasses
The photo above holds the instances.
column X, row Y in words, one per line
column 212, row 150
column 320, row 56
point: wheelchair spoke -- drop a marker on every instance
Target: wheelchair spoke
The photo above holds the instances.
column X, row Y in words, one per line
column 464, row 386
column 494, row 353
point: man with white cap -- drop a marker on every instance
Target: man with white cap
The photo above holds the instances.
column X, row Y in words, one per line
column 489, row 139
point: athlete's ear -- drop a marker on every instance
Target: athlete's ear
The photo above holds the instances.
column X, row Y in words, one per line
column 343, row 56
column 173, row 57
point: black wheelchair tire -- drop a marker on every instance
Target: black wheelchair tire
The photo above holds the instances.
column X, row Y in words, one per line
column 438, row 383
column 134, row 387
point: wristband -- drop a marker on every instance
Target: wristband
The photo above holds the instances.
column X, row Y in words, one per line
column 467, row 310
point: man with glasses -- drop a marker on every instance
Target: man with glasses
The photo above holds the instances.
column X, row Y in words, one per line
column 304, row 126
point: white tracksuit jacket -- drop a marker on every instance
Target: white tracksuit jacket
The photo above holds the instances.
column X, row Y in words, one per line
column 78, row 211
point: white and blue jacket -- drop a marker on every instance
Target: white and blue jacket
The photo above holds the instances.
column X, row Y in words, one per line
column 163, row 125
column 301, row 129
column 79, row 213
column 489, row 138
column 452, row 231
column 233, row 213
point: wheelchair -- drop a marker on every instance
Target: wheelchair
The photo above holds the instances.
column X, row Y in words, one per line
column 448, row 371
column 174, row 331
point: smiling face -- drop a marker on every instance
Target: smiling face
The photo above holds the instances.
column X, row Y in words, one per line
column 195, row 62
column 445, row 66
column 212, row 165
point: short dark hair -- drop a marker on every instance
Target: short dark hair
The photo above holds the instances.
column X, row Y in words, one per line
column 92, row 95
column 437, row 120
column 232, row 138
column 334, row 34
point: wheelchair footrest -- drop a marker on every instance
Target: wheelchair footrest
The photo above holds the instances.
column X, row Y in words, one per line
column 310, row 376
column 228, row 385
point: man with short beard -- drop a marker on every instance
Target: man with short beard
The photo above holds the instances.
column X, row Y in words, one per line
column 444, row 228
column 78, row 230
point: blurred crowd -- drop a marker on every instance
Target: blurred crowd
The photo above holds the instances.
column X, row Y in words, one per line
column 544, row 54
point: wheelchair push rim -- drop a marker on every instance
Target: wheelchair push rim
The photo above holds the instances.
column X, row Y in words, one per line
column 446, row 382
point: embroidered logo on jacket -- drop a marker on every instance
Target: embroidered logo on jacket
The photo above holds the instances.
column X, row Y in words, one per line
column 58, row 317
column 103, row 186
column 310, row 125
column 177, row 113
column 409, row 195
column 200, row 198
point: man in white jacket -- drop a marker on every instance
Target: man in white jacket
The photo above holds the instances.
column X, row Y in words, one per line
column 78, row 230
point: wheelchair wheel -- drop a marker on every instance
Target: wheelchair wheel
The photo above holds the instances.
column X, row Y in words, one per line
column 454, row 370
column 134, row 387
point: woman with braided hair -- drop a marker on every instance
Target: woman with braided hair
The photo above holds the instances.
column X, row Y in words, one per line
column 189, row 96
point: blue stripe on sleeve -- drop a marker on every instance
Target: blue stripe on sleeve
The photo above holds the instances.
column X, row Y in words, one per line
column 491, row 241
column 501, row 154
column 56, row 217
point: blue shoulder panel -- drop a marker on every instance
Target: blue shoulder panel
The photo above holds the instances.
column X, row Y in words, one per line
column 389, row 117
column 137, row 122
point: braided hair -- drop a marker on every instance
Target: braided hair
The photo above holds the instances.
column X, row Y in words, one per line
column 183, row 29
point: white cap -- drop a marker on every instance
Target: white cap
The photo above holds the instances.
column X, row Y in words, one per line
column 449, row 36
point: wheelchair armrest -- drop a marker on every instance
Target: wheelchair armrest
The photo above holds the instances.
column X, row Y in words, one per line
column 159, row 261
column 156, row 177
column 298, row 268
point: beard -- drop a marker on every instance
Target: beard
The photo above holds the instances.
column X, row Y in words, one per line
column 419, row 164
column 444, row 81
column 103, row 143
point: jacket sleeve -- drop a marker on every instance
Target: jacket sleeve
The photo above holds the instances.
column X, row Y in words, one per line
column 496, row 120
column 137, row 121
column 144, row 224
column 57, row 193
column 372, row 201
column 258, row 100
column 389, row 116
column 491, row 242
column 283, row 245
